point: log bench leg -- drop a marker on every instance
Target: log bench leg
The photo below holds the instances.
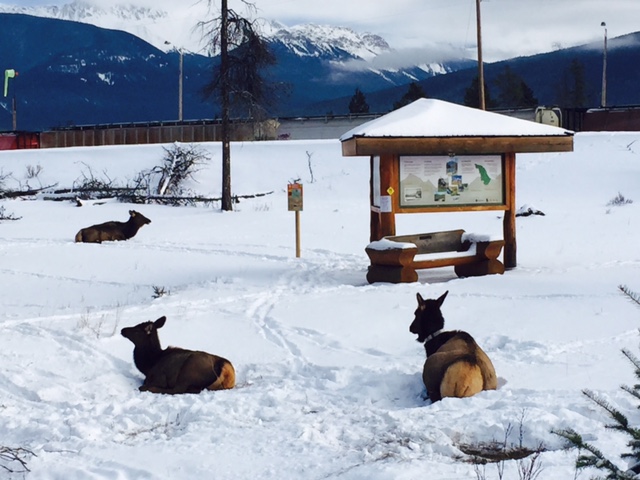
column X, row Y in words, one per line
column 389, row 274
column 487, row 264
column 480, row 268
column 392, row 266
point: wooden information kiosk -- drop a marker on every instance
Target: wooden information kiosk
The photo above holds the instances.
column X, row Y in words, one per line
column 435, row 156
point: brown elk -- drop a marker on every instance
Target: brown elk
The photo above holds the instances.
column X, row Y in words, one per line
column 456, row 366
column 111, row 231
column 176, row 370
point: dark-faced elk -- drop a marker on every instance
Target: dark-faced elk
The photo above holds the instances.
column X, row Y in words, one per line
column 111, row 231
column 456, row 366
column 176, row 370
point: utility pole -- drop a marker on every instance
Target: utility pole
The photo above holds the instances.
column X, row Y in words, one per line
column 14, row 114
column 180, row 76
column 603, row 100
column 224, row 100
column 480, row 64
column 180, row 85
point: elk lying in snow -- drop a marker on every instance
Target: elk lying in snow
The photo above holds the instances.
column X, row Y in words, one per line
column 456, row 366
column 110, row 231
column 176, row 370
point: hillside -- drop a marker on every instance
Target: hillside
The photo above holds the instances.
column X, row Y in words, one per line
column 73, row 73
column 543, row 73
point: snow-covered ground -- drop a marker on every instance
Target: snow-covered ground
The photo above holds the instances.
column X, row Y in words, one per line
column 329, row 377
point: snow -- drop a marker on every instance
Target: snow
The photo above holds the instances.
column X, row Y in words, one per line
column 329, row 377
column 385, row 244
column 430, row 117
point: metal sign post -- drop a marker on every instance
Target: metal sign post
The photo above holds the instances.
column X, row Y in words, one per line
column 294, row 196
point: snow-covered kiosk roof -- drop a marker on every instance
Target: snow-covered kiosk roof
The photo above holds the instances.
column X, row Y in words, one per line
column 436, row 127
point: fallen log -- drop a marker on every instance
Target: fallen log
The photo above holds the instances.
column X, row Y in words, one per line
column 23, row 193
column 159, row 199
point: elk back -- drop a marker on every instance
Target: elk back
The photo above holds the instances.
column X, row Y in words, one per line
column 189, row 371
column 459, row 368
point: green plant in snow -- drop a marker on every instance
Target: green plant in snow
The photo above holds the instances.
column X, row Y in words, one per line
column 590, row 456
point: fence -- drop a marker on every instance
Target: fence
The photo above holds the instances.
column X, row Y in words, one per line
column 135, row 134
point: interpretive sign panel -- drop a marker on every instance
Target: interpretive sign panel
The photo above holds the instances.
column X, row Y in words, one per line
column 461, row 180
column 294, row 196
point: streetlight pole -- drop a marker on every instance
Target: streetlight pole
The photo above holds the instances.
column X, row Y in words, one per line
column 180, row 76
column 11, row 73
column 604, row 68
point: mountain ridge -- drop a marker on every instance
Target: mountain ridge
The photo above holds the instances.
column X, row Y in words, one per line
column 74, row 73
column 343, row 48
column 96, row 69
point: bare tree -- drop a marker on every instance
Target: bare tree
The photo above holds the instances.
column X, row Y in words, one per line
column 237, row 80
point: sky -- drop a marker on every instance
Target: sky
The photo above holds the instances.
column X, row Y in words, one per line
column 509, row 27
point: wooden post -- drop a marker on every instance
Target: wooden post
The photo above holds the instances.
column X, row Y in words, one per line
column 385, row 173
column 509, row 224
column 297, row 233
column 389, row 185
column 374, row 220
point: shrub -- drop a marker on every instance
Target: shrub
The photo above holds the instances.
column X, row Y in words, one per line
column 619, row 200
column 591, row 457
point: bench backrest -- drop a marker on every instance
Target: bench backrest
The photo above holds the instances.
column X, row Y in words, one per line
column 435, row 242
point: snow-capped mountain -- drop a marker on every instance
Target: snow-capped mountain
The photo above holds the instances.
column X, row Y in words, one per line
column 325, row 41
column 181, row 29
column 155, row 26
column 86, row 63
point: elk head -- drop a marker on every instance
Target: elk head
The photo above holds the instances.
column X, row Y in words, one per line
column 428, row 317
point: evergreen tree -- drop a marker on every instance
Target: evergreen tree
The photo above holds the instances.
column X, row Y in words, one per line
column 414, row 92
column 528, row 99
column 513, row 92
column 472, row 95
column 592, row 456
column 358, row 103
column 572, row 89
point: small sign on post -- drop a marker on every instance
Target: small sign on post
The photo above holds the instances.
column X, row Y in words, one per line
column 294, row 196
column 8, row 73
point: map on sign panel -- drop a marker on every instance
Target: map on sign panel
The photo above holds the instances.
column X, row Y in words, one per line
column 432, row 181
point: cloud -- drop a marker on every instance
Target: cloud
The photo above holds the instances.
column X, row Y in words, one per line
column 509, row 27
column 407, row 57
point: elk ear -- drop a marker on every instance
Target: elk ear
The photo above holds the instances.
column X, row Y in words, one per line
column 441, row 299
column 132, row 213
column 420, row 300
column 159, row 323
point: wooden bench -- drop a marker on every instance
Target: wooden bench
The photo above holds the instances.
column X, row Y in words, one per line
column 396, row 259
